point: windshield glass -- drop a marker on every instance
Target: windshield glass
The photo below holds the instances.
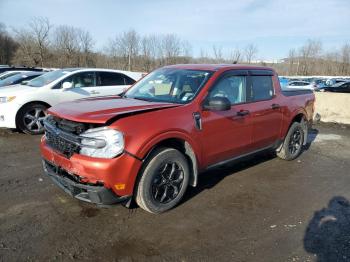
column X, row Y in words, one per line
column 169, row 85
column 10, row 80
column 6, row 75
column 48, row 78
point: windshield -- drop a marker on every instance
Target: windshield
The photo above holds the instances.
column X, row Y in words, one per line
column 11, row 80
column 6, row 75
column 169, row 85
column 48, row 78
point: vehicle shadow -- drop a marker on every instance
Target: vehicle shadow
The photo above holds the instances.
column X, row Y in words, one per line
column 313, row 132
column 211, row 177
column 328, row 233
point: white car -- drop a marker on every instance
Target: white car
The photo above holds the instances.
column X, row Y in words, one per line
column 24, row 106
column 8, row 74
column 300, row 84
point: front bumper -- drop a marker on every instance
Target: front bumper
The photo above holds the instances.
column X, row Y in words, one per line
column 96, row 194
column 8, row 113
column 117, row 175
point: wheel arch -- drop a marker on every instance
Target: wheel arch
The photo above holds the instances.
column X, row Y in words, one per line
column 181, row 144
column 300, row 117
column 30, row 103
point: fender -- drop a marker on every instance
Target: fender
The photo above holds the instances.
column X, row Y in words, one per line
column 191, row 149
column 145, row 148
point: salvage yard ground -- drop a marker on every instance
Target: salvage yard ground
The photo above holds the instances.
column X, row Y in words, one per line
column 261, row 209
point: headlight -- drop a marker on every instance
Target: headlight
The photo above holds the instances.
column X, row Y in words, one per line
column 102, row 142
column 6, row 99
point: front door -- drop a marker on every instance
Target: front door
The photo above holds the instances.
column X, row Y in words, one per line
column 226, row 134
column 83, row 86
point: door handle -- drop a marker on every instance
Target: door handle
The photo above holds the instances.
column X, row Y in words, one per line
column 275, row 106
column 243, row 113
column 94, row 92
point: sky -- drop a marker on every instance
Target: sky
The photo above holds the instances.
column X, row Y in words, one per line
column 274, row 26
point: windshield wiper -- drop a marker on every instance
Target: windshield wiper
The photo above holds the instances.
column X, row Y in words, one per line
column 141, row 98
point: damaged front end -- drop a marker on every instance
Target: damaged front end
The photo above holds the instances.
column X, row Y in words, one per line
column 68, row 138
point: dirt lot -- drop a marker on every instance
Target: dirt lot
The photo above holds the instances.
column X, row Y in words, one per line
column 262, row 209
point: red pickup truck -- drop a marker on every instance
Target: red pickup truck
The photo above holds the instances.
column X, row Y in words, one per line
column 151, row 142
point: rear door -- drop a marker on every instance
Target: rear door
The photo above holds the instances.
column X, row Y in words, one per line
column 226, row 134
column 110, row 83
column 265, row 109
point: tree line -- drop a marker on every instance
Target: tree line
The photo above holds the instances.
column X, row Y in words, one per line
column 41, row 44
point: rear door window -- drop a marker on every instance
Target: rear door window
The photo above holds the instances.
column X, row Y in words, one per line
column 261, row 88
column 111, row 79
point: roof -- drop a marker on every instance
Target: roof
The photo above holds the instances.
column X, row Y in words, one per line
column 216, row 67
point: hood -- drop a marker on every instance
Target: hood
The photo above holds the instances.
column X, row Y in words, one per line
column 16, row 90
column 100, row 110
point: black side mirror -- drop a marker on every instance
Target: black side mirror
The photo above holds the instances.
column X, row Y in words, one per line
column 217, row 104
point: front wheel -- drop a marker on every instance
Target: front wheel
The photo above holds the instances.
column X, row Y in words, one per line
column 293, row 142
column 163, row 181
column 30, row 119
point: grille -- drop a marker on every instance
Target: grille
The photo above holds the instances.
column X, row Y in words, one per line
column 60, row 144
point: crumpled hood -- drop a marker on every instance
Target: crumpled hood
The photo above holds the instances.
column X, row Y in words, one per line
column 100, row 110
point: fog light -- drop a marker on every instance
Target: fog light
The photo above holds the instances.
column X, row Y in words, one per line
column 2, row 118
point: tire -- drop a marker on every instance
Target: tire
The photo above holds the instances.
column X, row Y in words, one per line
column 29, row 119
column 163, row 182
column 293, row 142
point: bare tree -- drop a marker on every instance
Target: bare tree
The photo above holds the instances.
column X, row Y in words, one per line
column 149, row 47
column 217, row 51
column 8, row 46
column 308, row 56
column 293, row 62
column 86, row 45
column 236, row 56
column 126, row 46
column 67, row 45
column 26, row 53
column 345, row 59
column 40, row 28
column 171, row 48
column 250, row 52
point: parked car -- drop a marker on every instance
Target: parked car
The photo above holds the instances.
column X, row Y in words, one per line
column 24, row 107
column 342, row 87
column 318, row 83
column 151, row 142
column 300, row 84
column 18, row 68
column 8, row 74
column 19, row 78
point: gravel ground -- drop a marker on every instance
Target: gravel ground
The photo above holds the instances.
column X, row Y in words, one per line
column 260, row 209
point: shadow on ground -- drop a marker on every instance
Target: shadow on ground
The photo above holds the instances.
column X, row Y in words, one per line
column 210, row 178
column 328, row 233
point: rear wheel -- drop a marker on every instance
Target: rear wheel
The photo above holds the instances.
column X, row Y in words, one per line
column 293, row 142
column 30, row 119
column 163, row 181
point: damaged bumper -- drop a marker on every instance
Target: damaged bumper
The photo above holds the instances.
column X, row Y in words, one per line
column 96, row 194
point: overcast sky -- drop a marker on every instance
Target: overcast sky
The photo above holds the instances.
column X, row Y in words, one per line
column 274, row 26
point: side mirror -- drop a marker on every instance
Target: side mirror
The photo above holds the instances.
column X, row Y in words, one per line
column 66, row 85
column 217, row 104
